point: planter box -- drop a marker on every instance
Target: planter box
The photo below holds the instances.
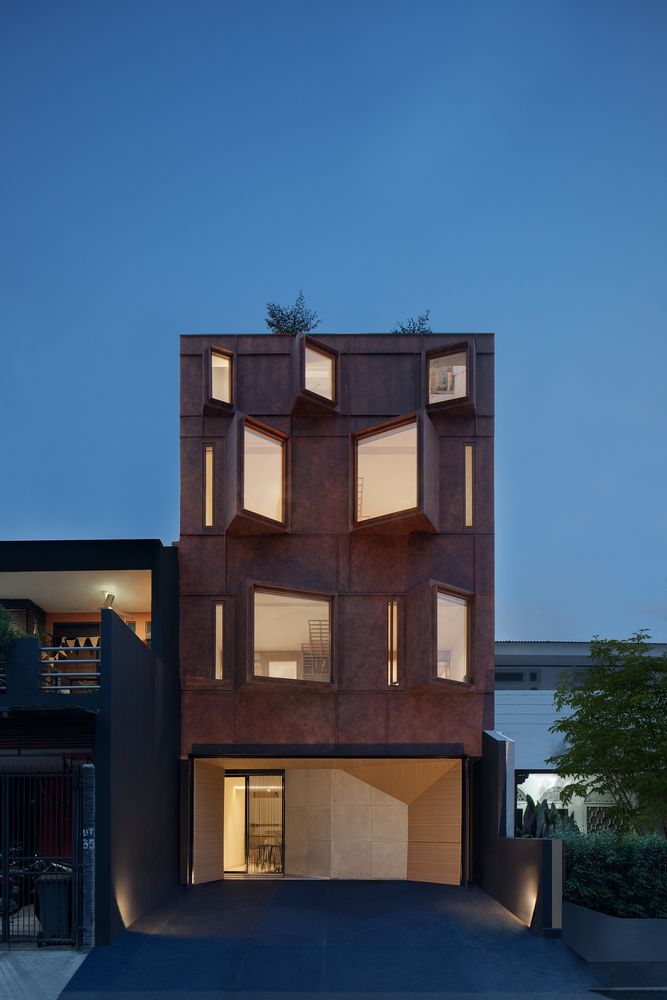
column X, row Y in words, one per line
column 597, row 937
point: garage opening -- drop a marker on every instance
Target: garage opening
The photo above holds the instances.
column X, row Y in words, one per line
column 315, row 817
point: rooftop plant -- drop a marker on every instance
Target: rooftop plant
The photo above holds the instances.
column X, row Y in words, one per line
column 290, row 320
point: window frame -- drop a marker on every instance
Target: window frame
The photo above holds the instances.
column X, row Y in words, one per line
column 209, row 399
column 283, row 439
column 469, row 598
column 375, row 431
column 251, row 676
column 443, row 352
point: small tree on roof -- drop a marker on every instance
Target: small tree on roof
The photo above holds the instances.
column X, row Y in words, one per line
column 290, row 320
column 412, row 325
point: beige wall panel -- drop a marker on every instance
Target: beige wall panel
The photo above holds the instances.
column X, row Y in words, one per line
column 434, row 863
column 209, row 790
column 404, row 780
column 434, row 831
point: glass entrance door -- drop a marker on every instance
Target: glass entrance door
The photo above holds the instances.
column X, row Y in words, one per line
column 253, row 823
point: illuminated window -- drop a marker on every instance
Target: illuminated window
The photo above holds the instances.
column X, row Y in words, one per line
column 469, row 485
column 392, row 643
column 447, row 377
column 208, row 486
column 386, row 472
column 452, row 633
column 292, row 636
column 221, row 377
column 319, row 373
column 219, row 639
column 263, row 474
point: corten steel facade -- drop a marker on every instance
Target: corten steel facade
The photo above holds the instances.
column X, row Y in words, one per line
column 318, row 546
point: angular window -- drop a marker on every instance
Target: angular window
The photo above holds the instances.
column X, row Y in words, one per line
column 386, row 472
column 219, row 663
column 447, row 377
column 319, row 373
column 292, row 636
column 263, row 474
column 221, row 377
column 469, row 516
column 208, row 485
column 452, row 637
column 392, row 643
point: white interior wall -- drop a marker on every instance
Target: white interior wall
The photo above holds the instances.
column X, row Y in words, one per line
column 337, row 826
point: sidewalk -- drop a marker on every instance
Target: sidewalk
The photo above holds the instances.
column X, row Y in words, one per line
column 37, row 973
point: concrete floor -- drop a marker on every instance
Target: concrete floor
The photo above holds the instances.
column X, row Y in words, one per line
column 250, row 939
column 36, row 973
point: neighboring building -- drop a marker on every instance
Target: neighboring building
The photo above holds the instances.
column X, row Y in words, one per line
column 526, row 677
column 336, row 622
column 88, row 737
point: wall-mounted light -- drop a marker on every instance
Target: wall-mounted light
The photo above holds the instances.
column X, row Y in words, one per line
column 108, row 600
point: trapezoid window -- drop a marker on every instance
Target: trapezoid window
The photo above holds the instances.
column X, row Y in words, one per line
column 386, row 472
column 292, row 636
column 221, row 377
column 319, row 373
column 263, row 473
column 452, row 637
column 447, row 377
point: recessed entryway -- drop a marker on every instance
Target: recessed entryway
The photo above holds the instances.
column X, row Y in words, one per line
column 358, row 818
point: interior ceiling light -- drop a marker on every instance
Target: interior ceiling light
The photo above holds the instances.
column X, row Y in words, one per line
column 108, row 600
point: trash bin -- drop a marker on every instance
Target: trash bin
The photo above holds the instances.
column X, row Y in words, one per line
column 54, row 906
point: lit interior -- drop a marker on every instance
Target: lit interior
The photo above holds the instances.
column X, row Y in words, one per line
column 263, row 474
column 292, row 636
column 387, row 472
column 469, row 485
column 221, row 377
column 319, row 373
column 208, row 486
column 447, row 377
column 452, row 632
column 219, row 637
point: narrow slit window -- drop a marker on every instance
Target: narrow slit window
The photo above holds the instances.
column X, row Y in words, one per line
column 469, row 485
column 219, row 664
column 392, row 643
column 221, row 377
column 208, row 486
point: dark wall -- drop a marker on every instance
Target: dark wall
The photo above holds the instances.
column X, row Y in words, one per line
column 380, row 378
column 516, row 872
column 137, row 780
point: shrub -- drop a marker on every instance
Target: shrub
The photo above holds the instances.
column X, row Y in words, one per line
column 624, row 875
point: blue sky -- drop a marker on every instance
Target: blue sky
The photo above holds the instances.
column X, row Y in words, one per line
column 169, row 167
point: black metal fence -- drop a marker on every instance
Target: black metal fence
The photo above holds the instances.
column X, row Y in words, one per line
column 40, row 856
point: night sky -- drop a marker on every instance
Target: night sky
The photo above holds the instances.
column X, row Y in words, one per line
column 169, row 167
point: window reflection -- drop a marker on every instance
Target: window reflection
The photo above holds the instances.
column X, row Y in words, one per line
column 447, row 377
column 292, row 636
column 221, row 377
column 319, row 373
column 452, row 632
column 387, row 472
column 263, row 473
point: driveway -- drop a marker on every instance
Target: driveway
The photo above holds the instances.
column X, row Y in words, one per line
column 243, row 939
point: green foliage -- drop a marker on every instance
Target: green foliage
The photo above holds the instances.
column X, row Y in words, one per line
column 616, row 731
column 8, row 632
column 543, row 820
column 624, row 875
column 290, row 320
column 412, row 325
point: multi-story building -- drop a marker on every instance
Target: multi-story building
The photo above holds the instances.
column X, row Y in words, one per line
column 88, row 737
column 336, row 618
column 526, row 677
